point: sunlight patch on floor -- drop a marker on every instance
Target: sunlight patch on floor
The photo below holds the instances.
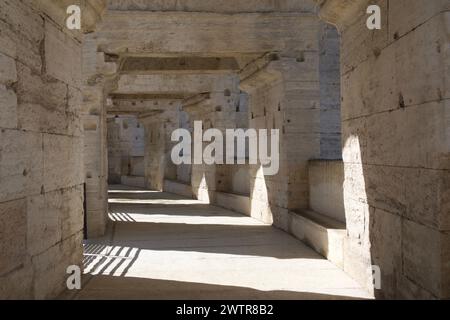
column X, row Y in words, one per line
column 220, row 269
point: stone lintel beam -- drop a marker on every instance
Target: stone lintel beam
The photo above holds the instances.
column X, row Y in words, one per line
column 196, row 99
column 178, row 64
column 259, row 79
column 229, row 6
column 195, row 109
column 257, row 65
column 151, row 115
column 342, row 13
column 125, row 111
column 147, row 96
column 180, row 84
column 190, row 33
column 141, row 106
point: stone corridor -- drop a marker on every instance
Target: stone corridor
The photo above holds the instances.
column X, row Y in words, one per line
column 163, row 246
column 359, row 199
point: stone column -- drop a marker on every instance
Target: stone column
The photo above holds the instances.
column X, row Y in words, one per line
column 99, row 80
column 395, row 121
column 284, row 94
column 215, row 110
column 203, row 177
column 159, row 126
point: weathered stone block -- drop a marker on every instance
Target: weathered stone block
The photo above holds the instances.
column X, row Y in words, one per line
column 21, row 164
column 13, row 235
column 354, row 183
column 354, row 140
column 42, row 103
column 326, row 193
column 8, row 72
column 44, row 223
column 62, row 56
column 358, row 263
column 73, row 112
column 22, row 19
column 17, row 284
column 422, row 256
column 50, row 266
column 426, row 81
column 425, row 194
column 409, row 290
column 7, row 43
column 8, row 107
column 22, row 33
column 386, row 250
column 358, row 41
column 402, row 21
column 62, row 161
column 385, row 188
column 417, row 137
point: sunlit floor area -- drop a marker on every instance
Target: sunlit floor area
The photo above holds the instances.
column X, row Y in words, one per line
column 163, row 246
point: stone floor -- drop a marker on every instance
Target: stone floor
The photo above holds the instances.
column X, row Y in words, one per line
column 163, row 246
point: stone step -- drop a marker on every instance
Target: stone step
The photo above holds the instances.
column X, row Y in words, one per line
column 235, row 202
column 178, row 187
column 325, row 235
column 133, row 181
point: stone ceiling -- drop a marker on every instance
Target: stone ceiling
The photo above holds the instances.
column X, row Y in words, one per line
column 214, row 6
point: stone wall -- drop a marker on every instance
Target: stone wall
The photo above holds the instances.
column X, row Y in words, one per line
column 396, row 144
column 41, row 149
column 326, row 190
column 125, row 148
column 330, row 93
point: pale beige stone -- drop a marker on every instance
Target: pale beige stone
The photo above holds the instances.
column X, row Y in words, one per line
column 13, row 223
column 8, row 72
column 8, row 108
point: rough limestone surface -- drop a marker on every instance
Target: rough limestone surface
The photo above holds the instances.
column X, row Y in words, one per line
column 41, row 147
column 363, row 117
column 125, row 148
column 396, row 144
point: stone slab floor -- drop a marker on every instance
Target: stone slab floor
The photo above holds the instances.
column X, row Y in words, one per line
column 163, row 246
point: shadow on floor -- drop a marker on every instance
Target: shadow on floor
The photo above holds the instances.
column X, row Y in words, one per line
column 203, row 210
column 248, row 240
column 163, row 246
column 124, row 288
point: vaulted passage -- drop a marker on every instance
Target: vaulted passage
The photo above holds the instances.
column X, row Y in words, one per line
column 225, row 149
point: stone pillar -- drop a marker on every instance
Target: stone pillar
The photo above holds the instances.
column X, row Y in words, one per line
column 99, row 80
column 115, row 151
column 218, row 111
column 203, row 176
column 159, row 126
column 285, row 95
column 41, row 146
column 184, row 171
column 268, row 193
column 395, row 122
